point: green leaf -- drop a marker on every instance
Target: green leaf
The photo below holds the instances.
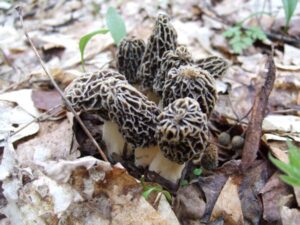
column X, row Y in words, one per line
column 287, row 168
column 167, row 195
column 289, row 9
column 197, row 171
column 294, row 156
column 85, row 39
column 257, row 33
column 238, row 47
column 233, row 31
column 116, row 25
column 248, row 41
column 290, row 180
column 150, row 189
column 184, row 183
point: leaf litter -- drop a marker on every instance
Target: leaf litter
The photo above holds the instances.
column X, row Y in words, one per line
column 48, row 166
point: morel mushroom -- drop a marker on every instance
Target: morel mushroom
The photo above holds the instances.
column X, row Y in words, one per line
column 182, row 134
column 190, row 81
column 163, row 38
column 215, row 65
column 210, row 157
column 170, row 59
column 129, row 116
column 129, row 57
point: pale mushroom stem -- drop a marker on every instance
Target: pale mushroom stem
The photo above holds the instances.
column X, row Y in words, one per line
column 113, row 138
column 166, row 168
column 144, row 156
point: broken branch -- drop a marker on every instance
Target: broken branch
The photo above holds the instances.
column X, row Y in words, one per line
column 254, row 131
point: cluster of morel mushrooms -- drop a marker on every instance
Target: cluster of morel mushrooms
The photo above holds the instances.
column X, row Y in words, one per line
column 158, row 103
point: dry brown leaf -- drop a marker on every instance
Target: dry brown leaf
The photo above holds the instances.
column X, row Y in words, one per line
column 290, row 216
column 23, row 99
column 228, row 204
column 80, row 191
column 53, row 142
column 272, row 194
column 13, row 118
column 297, row 194
column 45, row 100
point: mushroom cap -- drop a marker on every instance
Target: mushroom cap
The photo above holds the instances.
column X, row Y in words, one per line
column 135, row 115
column 170, row 59
column 116, row 100
column 163, row 38
column 190, row 81
column 87, row 91
column 215, row 65
column 182, row 130
column 129, row 57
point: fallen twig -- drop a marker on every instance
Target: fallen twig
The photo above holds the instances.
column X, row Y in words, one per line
column 254, row 131
column 19, row 9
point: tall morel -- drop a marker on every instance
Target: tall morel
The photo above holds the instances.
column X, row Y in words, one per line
column 170, row 59
column 163, row 38
column 129, row 57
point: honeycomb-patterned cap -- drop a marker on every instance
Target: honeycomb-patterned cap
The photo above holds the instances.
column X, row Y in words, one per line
column 163, row 38
column 129, row 57
column 170, row 59
column 182, row 131
column 190, row 81
column 116, row 100
column 135, row 115
column 215, row 65
column 84, row 91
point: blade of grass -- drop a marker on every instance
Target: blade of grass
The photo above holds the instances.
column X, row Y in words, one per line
column 289, row 9
column 290, row 180
column 288, row 169
column 85, row 39
column 116, row 25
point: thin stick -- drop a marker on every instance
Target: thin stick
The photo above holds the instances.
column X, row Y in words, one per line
column 68, row 104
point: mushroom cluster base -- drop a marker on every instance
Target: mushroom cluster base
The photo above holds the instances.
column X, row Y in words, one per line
column 166, row 168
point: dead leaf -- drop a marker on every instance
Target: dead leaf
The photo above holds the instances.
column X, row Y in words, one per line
column 12, row 119
column 252, row 182
column 80, row 191
column 228, row 204
column 53, row 142
column 46, row 100
column 291, row 55
column 281, row 123
column 23, row 99
column 297, row 194
column 272, row 192
column 290, row 216
column 189, row 203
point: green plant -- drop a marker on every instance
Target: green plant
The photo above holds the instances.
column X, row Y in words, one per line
column 148, row 189
column 116, row 27
column 241, row 38
column 289, row 9
column 291, row 169
column 184, row 183
column 197, row 171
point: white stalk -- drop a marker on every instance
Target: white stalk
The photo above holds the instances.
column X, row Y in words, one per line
column 144, row 156
column 113, row 139
column 166, row 168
